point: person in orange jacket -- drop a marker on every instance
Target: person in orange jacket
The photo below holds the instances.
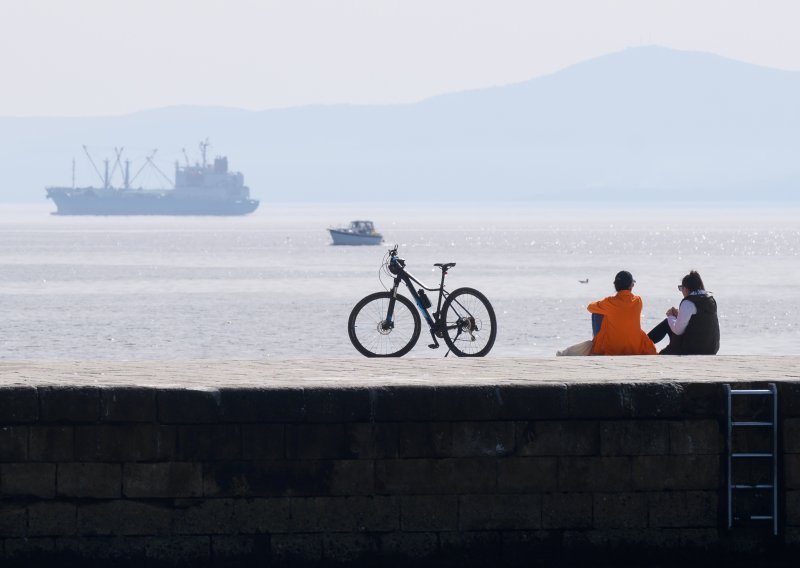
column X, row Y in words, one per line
column 621, row 329
column 618, row 318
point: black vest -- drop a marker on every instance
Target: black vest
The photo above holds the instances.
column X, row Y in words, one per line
column 701, row 336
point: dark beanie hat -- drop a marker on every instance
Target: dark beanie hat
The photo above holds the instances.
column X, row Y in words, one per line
column 623, row 280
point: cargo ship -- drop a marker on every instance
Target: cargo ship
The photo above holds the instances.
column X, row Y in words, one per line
column 201, row 189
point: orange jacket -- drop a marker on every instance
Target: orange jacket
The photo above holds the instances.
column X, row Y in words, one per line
column 621, row 332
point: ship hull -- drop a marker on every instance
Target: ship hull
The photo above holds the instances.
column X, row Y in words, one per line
column 144, row 204
column 347, row 238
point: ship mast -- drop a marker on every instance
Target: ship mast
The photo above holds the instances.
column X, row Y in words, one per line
column 203, row 145
column 73, row 172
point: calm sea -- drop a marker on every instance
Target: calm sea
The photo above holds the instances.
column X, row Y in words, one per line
column 271, row 285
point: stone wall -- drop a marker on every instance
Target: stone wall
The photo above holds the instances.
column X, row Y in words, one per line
column 529, row 474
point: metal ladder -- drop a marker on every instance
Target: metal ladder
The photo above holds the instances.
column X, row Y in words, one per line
column 764, row 418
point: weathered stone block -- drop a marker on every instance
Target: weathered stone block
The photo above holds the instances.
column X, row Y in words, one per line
column 360, row 439
column 402, row 403
column 684, row 509
column 533, row 402
column 189, row 406
column 100, row 550
column 482, row 439
column 13, row 443
column 792, row 505
column 340, row 405
column 177, row 550
column 527, row 475
column 703, row 400
column 386, row 437
column 18, row 404
column 92, row 480
column 28, row 551
column 352, row 477
column 296, row 549
column 315, row 441
column 51, row 443
column 237, row 551
column 495, row 512
column 653, row 400
column 422, row 439
column 262, row 515
column 51, row 518
column 349, row 548
column 258, row 478
column 69, row 404
column 13, row 519
column 596, row 400
column 566, row 510
column 429, row 513
column 791, row 468
column 791, row 435
column 568, row 437
column 470, row 548
column 458, row 403
column 634, row 437
column 31, row 479
column 594, row 473
column 263, row 405
column 124, row 442
column 403, row 547
column 620, row 510
column 162, row 480
column 201, row 442
column 123, row 517
column 695, row 437
column 659, row 473
column 445, row 476
column 128, row 404
column 789, row 399
column 262, row 441
column 204, row 516
column 345, row 514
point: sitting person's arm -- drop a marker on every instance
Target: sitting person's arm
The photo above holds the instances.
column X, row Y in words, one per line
column 678, row 321
column 599, row 307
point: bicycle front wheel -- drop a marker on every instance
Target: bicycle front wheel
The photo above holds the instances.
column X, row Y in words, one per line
column 374, row 334
column 470, row 323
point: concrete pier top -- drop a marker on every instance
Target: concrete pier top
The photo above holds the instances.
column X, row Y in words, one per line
column 362, row 372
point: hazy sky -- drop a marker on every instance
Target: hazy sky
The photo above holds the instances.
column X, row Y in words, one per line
column 98, row 57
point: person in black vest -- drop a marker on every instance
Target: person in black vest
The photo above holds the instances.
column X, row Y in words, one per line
column 693, row 329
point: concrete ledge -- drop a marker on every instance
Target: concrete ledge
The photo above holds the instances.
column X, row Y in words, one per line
column 437, row 462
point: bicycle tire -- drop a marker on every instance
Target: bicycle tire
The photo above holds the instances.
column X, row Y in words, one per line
column 467, row 313
column 369, row 337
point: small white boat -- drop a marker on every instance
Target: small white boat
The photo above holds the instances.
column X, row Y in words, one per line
column 358, row 233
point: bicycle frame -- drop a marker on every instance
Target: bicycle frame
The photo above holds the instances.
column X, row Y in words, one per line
column 401, row 275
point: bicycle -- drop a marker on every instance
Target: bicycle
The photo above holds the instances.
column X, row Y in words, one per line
column 386, row 324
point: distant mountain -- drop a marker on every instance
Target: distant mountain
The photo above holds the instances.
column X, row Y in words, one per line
column 645, row 125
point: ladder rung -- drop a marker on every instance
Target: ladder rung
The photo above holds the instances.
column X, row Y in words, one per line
column 752, row 391
column 752, row 455
column 753, row 423
column 756, row 486
column 761, row 517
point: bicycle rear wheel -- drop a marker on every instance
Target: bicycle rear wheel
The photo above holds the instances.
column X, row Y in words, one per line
column 374, row 335
column 470, row 323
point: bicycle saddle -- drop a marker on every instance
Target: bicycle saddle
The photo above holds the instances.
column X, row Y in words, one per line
column 446, row 265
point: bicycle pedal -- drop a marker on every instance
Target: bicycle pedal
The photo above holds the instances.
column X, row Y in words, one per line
column 433, row 345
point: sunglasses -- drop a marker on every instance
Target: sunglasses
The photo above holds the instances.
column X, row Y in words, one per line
column 680, row 288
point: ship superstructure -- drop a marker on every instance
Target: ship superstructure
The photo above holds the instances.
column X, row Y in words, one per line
column 201, row 189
